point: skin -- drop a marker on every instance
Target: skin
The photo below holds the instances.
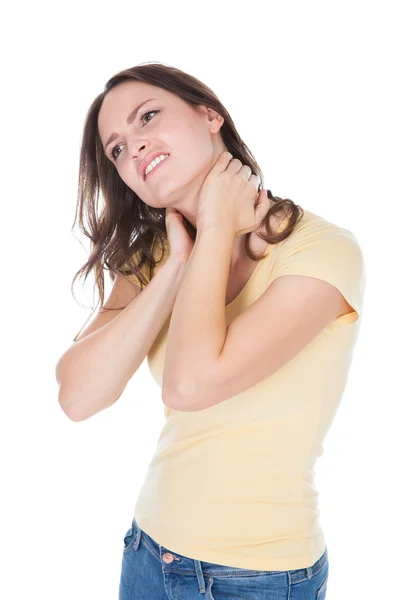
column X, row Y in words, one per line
column 191, row 135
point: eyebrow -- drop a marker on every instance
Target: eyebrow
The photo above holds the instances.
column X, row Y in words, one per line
column 129, row 120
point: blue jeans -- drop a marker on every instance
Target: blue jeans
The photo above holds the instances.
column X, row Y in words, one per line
column 150, row 571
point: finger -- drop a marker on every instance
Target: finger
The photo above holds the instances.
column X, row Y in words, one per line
column 222, row 161
column 262, row 208
column 254, row 178
column 262, row 200
column 169, row 216
column 246, row 172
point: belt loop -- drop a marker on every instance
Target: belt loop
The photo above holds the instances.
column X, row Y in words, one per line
column 200, row 577
column 309, row 572
column 137, row 539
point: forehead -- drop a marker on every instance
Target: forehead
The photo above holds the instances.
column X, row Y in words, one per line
column 123, row 98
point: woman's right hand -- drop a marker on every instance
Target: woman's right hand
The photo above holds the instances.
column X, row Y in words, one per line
column 180, row 242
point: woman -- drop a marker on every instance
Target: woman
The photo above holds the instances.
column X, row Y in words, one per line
column 248, row 309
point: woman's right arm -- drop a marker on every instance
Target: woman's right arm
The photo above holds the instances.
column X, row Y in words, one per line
column 93, row 373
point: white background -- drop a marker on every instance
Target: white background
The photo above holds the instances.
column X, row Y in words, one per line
column 316, row 90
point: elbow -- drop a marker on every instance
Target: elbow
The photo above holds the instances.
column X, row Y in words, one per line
column 168, row 398
column 172, row 398
column 64, row 398
column 183, row 399
column 70, row 409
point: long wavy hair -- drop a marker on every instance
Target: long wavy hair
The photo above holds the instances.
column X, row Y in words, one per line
column 122, row 229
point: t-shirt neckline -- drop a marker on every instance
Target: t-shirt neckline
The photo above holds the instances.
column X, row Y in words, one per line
column 267, row 252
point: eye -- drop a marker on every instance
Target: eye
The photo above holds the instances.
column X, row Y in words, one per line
column 141, row 117
column 147, row 112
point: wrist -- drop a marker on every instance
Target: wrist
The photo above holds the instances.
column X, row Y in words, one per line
column 177, row 261
column 224, row 231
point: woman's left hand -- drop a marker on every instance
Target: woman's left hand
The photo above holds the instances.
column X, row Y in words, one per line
column 229, row 198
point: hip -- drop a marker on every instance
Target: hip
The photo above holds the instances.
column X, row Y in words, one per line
column 151, row 570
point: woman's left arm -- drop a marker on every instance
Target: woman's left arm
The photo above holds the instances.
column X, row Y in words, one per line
column 208, row 362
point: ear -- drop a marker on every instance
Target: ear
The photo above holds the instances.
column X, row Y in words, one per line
column 214, row 118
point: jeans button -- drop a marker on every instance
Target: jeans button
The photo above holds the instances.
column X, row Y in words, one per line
column 168, row 558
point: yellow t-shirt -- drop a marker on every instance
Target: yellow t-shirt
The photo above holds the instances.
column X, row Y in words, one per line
column 233, row 484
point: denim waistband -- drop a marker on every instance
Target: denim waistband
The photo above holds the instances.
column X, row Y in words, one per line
column 183, row 564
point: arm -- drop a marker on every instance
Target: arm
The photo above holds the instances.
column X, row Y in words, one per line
column 94, row 371
column 208, row 362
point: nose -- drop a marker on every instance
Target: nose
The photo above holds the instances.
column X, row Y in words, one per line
column 135, row 148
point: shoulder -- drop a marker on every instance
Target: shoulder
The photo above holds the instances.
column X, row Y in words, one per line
column 313, row 227
column 324, row 250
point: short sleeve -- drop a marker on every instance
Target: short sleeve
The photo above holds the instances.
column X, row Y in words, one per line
column 322, row 250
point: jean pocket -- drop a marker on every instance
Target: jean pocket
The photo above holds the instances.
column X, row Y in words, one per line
column 130, row 538
column 322, row 590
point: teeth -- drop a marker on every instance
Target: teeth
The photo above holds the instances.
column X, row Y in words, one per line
column 157, row 160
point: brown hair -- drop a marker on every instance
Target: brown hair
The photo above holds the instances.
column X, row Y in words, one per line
column 125, row 230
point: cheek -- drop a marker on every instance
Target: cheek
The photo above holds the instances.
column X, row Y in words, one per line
column 194, row 152
column 125, row 175
column 188, row 167
column 199, row 161
column 130, row 178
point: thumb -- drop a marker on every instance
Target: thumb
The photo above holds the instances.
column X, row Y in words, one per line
column 170, row 211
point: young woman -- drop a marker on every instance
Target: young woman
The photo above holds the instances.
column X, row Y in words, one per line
column 247, row 308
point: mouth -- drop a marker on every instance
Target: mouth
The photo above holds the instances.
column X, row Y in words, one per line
column 158, row 166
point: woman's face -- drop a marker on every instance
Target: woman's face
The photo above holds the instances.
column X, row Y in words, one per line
column 190, row 135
